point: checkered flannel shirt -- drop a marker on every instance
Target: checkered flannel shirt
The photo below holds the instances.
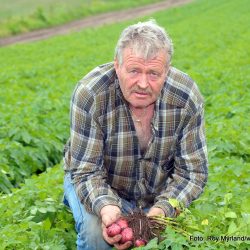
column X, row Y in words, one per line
column 103, row 153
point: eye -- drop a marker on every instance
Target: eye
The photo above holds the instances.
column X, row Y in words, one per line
column 154, row 75
column 133, row 72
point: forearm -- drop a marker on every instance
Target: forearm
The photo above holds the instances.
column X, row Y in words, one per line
column 86, row 153
column 190, row 166
column 184, row 188
column 92, row 188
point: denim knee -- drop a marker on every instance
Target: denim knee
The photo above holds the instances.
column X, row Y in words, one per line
column 90, row 234
column 88, row 226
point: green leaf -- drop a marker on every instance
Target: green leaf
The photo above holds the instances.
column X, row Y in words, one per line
column 246, row 218
column 228, row 197
column 42, row 210
column 26, row 136
column 231, row 214
column 47, row 224
column 151, row 245
column 174, row 203
column 232, row 228
column 175, row 246
column 33, row 210
column 51, row 209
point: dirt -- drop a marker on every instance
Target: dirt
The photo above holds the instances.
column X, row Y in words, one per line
column 144, row 227
column 93, row 21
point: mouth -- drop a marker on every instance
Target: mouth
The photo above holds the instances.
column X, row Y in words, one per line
column 141, row 94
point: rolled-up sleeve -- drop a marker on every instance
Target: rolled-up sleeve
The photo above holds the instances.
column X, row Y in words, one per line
column 190, row 164
column 86, row 153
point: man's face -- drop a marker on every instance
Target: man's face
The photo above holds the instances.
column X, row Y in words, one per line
column 141, row 80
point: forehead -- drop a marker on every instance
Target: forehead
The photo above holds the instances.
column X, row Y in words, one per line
column 131, row 57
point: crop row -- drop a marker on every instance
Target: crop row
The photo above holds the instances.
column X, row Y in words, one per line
column 34, row 217
column 31, row 136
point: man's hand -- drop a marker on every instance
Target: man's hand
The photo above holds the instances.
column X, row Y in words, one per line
column 155, row 211
column 110, row 214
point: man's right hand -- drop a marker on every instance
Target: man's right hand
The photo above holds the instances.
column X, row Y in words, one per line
column 110, row 214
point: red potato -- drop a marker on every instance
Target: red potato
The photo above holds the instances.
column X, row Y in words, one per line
column 122, row 223
column 127, row 235
column 140, row 243
column 113, row 230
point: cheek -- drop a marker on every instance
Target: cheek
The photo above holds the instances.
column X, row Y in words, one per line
column 127, row 83
column 124, row 85
column 156, row 88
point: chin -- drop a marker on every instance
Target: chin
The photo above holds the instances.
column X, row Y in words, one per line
column 140, row 104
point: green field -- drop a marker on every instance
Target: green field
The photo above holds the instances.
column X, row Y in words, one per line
column 211, row 40
column 21, row 16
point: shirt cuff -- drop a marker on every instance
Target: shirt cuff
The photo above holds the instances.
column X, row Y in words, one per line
column 166, row 207
column 103, row 201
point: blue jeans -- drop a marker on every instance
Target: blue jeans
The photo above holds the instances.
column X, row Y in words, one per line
column 88, row 226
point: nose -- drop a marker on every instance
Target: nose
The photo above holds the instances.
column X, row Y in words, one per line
column 143, row 81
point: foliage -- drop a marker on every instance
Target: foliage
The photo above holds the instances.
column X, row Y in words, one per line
column 33, row 141
column 21, row 16
column 34, row 217
column 211, row 42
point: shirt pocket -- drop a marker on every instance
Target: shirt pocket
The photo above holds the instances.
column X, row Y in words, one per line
column 164, row 171
column 167, row 166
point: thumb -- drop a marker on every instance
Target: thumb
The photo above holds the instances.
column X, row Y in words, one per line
column 106, row 220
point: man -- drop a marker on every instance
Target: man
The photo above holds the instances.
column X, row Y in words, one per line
column 137, row 137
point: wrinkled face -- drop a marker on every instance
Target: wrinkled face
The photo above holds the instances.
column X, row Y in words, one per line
column 141, row 80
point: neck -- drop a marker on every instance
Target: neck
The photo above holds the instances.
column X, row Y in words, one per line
column 141, row 113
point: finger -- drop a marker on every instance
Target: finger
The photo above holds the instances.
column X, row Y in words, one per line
column 126, row 245
column 110, row 240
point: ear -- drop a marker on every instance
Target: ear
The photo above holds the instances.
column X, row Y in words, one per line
column 167, row 69
column 116, row 66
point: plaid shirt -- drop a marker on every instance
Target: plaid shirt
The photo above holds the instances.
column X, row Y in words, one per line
column 103, row 153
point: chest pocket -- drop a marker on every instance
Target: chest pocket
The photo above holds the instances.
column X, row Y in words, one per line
column 167, row 166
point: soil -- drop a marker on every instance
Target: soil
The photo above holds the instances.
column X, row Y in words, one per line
column 93, row 21
column 144, row 227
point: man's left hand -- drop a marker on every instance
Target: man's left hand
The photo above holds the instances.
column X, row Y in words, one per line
column 155, row 211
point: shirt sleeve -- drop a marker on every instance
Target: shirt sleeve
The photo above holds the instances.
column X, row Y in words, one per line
column 86, row 154
column 190, row 165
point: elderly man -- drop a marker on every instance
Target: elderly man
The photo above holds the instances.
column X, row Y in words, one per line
column 137, row 137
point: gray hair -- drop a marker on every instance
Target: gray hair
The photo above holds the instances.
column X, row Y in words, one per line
column 146, row 39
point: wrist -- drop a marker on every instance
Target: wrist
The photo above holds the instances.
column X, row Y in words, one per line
column 109, row 208
column 100, row 202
